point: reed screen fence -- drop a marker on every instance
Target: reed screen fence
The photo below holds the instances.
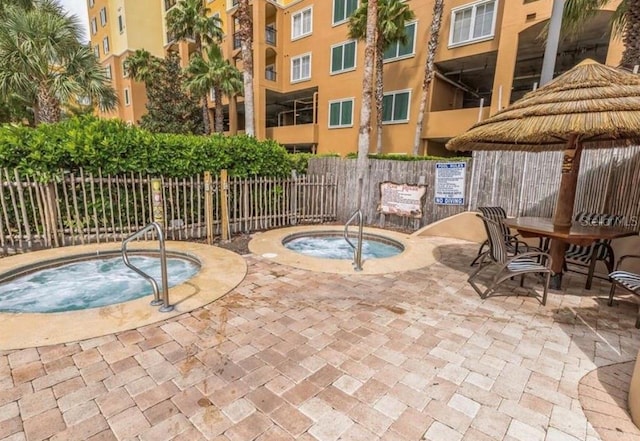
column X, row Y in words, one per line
column 82, row 208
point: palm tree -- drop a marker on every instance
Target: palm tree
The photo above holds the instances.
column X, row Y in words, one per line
column 245, row 32
column 392, row 16
column 625, row 22
column 142, row 66
column 364, row 131
column 42, row 61
column 432, row 47
column 188, row 19
column 214, row 72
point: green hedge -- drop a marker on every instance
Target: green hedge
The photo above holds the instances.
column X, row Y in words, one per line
column 115, row 148
column 401, row 157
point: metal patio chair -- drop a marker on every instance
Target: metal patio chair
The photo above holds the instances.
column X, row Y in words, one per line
column 509, row 264
column 600, row 250
column 628, row 280
column 497, row 214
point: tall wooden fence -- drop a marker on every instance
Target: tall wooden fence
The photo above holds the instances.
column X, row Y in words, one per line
column 525, row 184
column 83, row 208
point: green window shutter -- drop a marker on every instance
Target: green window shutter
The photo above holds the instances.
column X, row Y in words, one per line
column 407, row 49
column 387, row 108
column 336, row 59
column 334, row 114
column 346, row 118
column 352, row 5
column 401, row 107
column 339, row 10
column 349, row 55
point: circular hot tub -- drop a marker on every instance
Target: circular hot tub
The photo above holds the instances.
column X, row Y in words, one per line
column 405, row 252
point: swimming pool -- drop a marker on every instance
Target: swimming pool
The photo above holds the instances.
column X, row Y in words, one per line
column 89, row 283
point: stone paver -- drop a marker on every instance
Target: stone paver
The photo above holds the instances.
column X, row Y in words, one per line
column 295, row 355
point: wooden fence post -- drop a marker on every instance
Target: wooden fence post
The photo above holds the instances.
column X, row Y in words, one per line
column 224, row 204
column 208, row 207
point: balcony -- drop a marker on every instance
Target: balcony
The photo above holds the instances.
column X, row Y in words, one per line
column 168, row 4
column 270, row 74
column 298, row 134
column 270, row 35
column 449, row 123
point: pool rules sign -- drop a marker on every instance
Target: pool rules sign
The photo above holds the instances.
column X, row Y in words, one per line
column 450, row 183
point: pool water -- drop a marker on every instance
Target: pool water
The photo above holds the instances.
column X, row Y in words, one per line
column 88, row 284
column 335, row 247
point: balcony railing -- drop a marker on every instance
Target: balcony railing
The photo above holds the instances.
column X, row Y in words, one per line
column 168, row 4
column 270, row 74
column 270, row 35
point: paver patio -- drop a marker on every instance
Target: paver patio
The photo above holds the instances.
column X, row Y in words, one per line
column 291, row 354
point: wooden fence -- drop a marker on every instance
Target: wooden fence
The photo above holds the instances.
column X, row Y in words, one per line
column 83, row 208
column 525, row 184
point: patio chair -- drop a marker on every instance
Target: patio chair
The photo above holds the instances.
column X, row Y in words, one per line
column 628, row 280
column 497, row 214
column 509, row 264
column 600, row 250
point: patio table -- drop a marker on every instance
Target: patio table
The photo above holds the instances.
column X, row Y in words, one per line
column 576, row 234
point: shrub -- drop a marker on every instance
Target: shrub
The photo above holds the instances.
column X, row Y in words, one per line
column 114, row 147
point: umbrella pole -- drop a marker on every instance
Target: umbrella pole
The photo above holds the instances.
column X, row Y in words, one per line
column 564, row 206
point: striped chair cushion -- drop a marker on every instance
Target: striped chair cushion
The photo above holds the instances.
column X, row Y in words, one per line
column 583, row 253
column 631, row 281
column 524, row 264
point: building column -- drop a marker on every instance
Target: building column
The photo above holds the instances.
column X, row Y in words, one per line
column 505, row 65
column 259, row 94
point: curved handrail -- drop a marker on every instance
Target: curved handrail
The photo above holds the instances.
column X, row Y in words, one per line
column 166, row 307
column 357, row 249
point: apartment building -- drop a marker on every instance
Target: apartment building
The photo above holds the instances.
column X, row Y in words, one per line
column 308, row 73
column 117, row 28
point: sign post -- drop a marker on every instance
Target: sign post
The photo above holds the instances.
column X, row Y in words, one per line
column 450, row 183
column 157, row 203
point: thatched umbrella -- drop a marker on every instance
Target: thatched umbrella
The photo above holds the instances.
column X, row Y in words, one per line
column 589, row 106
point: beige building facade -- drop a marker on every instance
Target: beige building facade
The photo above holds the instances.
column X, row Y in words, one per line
column 308, row 73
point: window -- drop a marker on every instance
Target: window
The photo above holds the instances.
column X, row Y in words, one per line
column 103, row 16
column 107, row 72
column 96, row 51
column 94, row 26
column 342, row 10
column 105, row 45
column 343, row 57
column 84, row 100
column 127, row 98
column 398, row 50
column 472, row 23
column 301, row 23
column 395, row 107
column 212, row 95
column 341, row 113
column 125, row 71
column 120, row 24
column 301, row 68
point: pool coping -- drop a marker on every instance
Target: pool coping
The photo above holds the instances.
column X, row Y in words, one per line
column 418, row 251
column 220, row 271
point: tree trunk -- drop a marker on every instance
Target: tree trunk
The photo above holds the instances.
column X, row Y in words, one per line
column 379, row 90
column 246, row 35
column 206, row 119
column 48, row 106
column 631, row 36
column 219, row 112
column 364, row 132
column 432, row 47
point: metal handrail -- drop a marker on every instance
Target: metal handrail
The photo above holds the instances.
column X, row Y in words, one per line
column 357, row 249
column 166, row 307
